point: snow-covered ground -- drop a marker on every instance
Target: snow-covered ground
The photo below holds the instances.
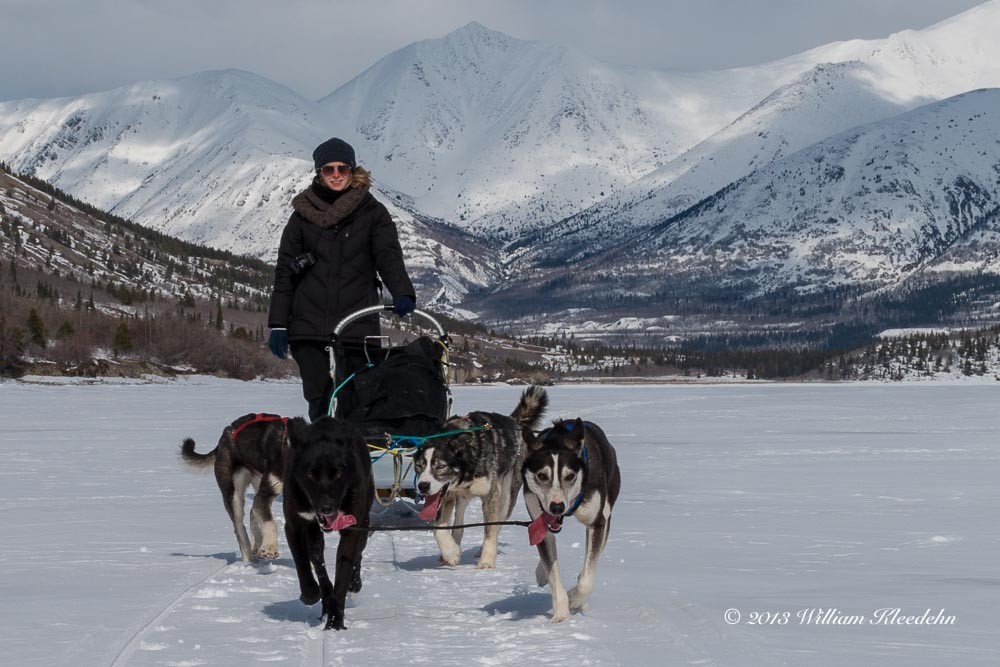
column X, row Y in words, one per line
column 764, row 499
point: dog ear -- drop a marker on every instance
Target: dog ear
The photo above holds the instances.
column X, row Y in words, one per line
column 574, row 438
column 531, row 442
column 464, row 457
column 296, row 431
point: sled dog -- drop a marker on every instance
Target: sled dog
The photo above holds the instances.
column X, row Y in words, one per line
column 483, row 459
column 570, row 470
column 328, row 486
column 249, row 452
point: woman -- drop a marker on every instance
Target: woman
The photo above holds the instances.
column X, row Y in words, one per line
column 338, row 242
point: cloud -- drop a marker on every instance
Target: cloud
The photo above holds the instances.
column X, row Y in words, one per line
column 54, row 48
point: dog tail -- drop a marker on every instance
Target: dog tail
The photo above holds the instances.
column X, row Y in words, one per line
column 530, row 408
column 195, row 460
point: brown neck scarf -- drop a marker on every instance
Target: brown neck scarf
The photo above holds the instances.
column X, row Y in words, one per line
column 311, row 206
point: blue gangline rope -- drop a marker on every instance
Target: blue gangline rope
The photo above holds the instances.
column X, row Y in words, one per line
column 329, row 408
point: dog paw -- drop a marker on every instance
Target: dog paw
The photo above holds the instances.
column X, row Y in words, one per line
column 335, row 623
column 450, row 559
column 485, row 565
column 451, row 556
column 559, row 616
column 310, row 597
column 577, row 600
column 267, row 553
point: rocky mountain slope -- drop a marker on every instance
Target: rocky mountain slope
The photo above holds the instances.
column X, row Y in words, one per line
column 854, row 83
column 913, row 200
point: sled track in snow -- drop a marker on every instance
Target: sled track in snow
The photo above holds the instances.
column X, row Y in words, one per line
column 128, row 650
column 315, row 654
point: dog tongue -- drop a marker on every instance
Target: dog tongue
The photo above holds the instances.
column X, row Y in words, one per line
column 430, row 510
column 540, row 527
column 338, row 522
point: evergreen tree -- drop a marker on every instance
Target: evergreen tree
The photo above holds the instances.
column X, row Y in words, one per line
column 11, row 344
column 36, row 329
column 122, row 341
column 65, row 330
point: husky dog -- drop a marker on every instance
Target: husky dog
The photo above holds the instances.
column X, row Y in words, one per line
column 484, row 460
column 249, row 452
column 571, row 470
column 328, row 486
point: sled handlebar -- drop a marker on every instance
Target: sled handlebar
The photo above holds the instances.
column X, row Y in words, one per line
column 384, row 308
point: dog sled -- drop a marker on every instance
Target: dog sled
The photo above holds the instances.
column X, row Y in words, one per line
column 401, row 397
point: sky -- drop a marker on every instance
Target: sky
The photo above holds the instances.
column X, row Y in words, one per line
column 57, row 48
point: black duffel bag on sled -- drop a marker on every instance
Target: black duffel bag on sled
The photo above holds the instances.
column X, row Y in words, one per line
column 403, row 391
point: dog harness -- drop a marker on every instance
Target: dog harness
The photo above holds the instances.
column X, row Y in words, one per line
column 248, row 420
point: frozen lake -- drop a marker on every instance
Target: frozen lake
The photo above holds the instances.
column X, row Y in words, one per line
column 757, row 525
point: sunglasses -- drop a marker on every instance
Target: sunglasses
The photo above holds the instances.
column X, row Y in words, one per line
column 331, row 169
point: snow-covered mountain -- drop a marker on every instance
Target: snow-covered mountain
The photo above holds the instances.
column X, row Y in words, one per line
column 451, row 128
column 502, row 135
column 477, row 128
column 214, row 158
column 854, row 83
column 444, row 262
column 477, row 138
column 873, row 205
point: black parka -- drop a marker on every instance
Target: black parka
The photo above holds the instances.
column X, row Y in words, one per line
column 351, row 254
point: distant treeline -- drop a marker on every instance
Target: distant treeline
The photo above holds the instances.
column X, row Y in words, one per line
column 50, row 329
column 968, row 352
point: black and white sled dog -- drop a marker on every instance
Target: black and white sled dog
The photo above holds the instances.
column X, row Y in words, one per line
column 483, row 459
column 249, row 452
column 571, row 470
column 328, row 486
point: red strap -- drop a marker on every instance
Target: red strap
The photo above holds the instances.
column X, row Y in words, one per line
column 257, row 418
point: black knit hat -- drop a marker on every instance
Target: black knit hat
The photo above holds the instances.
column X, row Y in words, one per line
column 334, row 150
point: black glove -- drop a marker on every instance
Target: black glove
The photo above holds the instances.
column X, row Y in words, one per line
column 278, row 342
column 403, row 305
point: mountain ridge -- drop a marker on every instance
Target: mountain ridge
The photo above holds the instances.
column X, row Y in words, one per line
column 501, row 159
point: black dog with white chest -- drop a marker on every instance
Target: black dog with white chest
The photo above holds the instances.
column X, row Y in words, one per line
column 571, row 470
column 328, row 486
column 250, row 452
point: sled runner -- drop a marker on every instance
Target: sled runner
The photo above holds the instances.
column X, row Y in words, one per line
column 401, row 397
